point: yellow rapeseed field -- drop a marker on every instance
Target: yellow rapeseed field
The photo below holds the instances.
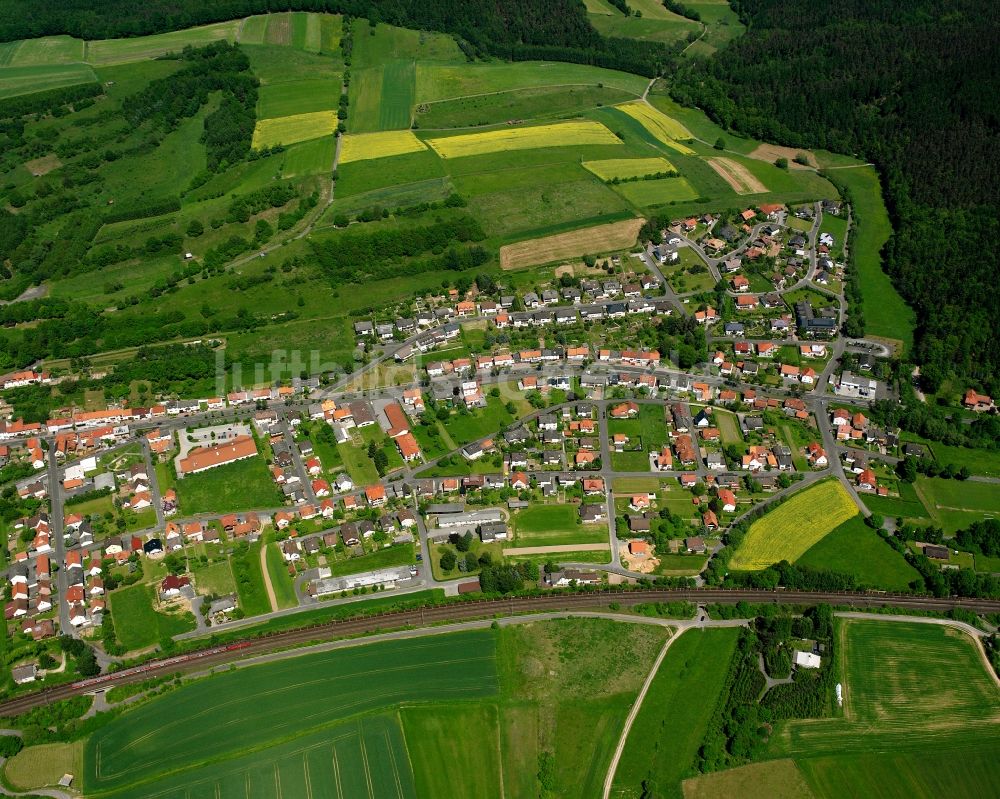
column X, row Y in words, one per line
column 295, row 128
column 579, row 133
column 664, row 128
column 363, row 146
column 625, row 168
column 787, row 532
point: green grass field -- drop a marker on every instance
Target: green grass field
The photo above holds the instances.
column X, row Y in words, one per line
column 215, row 579
column 651, row 193
column 47, row 50
column 281, row 580
column 249, row 579
column 559, row 679
column 141, row 755
column 441, row 736
column 234, row 487
column 886, row 314
column 117, row 51
column 625, row 168
column 954, row 504
column 299, row 97
column 396, row 99
column 854, row 548
column 649, row 427
column 309, row 158
column 907, row 504
column 544, row 525
column 137, row 624
column 386, row 558
column 662, row 745
column 24, row 80
column 908, row 687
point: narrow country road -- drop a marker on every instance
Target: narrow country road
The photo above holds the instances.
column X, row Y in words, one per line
column 267, row 578
column 613, row 766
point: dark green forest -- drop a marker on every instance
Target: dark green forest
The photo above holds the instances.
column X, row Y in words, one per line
column 912, row 87
column 516, row 29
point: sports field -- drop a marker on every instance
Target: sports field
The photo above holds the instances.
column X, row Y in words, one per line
column 626, row 168
column 578, row 133
column 292, row 129
column 208, row 729
column 599, row 239
column 665, row 129
column 366, row 146
column 788, row 532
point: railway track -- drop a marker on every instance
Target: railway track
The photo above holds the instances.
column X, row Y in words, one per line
column 477, row 609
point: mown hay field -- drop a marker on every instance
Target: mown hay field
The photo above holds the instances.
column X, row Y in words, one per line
column 598, row 239
column 787, row 532
column 740, row 179
column 48, row 50
column 666, row 129
column 118, row 51
column 649, row 193
column 295, row 128
column 213, row 722
column 577, row 133
column 626, row 168
column 364, row 146
column 24, row 80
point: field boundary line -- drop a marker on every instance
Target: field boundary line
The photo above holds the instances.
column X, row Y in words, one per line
column 613, row 766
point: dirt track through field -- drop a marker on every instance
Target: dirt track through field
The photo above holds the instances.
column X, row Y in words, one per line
column 739, row 178
column 556, row 548
column 593, row 240
column 267, row 579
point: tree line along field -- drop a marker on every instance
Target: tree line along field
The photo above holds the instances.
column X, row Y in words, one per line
column 517, row 196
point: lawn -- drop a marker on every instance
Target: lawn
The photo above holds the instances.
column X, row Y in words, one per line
column 275, row 707
column 729, row 427
column 545, row 525
column 978, row 461
column 954, row 504
column 886, row 314
column 440, row 737
column 789, row 531
column 281, row 579
column 44, row 765
column 215, row 579
column 907, row 504
column 467, row 427
column 854, row 548
column 649, row 427
column 385, row 558
column 250, row 589
column 233, row 487
column 137, row 624
column 663, row 743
